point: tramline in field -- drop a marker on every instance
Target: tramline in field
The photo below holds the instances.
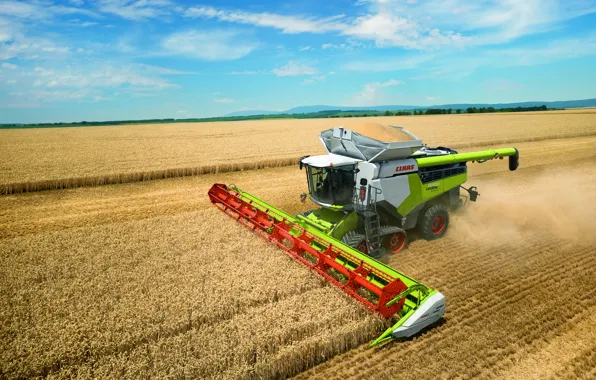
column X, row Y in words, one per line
column 371, row 193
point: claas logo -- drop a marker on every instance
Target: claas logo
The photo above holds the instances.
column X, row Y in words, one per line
column 404, row 168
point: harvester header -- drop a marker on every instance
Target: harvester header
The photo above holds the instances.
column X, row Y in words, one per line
column 371, row 193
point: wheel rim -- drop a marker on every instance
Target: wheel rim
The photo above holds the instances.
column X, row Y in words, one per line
column 438, row 224
column 362, row 247
column 397, row 242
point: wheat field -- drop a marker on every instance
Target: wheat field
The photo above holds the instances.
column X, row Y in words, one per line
column 58, row 158
column 147, row 279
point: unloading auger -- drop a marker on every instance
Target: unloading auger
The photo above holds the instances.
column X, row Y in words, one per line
column 370, row 193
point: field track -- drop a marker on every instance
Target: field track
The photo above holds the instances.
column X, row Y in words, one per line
column 148, row 279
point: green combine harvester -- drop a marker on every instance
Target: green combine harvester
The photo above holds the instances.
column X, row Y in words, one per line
column 372, row 194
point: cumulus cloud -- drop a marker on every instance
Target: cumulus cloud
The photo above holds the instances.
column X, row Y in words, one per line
column 422, row 25
column 371, row 92
column 248, row 72
column 224, row 100
column 209, row 45
column 137, row 9
column 294, row 69
column 287, row 24
column 89, row 83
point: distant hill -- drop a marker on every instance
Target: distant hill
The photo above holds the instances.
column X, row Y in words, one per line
column 252, row 113
column 309, row 109
column 319, row 108
column 556, row 104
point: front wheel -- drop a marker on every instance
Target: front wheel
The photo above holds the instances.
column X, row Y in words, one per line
column 433, row 223
column 396, row 241
column 356, row 240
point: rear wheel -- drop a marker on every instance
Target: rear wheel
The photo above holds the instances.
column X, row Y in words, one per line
column 434, row 222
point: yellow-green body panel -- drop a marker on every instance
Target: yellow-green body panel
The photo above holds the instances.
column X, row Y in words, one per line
column 420, row 193
column 331, row 222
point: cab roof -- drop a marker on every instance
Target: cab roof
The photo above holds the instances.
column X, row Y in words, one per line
column 327, row 160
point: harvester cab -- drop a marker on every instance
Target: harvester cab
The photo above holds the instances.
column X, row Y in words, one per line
column 372, row 193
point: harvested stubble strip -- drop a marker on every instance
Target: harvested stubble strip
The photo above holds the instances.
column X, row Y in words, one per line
column 109, row 179
column 79, row 295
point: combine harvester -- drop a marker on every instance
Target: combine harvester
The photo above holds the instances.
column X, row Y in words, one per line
column 370, row 193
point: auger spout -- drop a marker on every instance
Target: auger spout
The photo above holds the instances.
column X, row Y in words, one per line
column 482, row 156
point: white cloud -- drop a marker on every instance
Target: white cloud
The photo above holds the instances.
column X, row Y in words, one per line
column 305, row 48
column 421, row 25
column 331, row 73
column 553, row 51
column 39, row 10
column 371, row 92
column 502, row 84
column 150, row 69
column 287, row 24
column 249, row 72
column 391, row 64
column 389, row 28
column 107, row 76
column 341, row 46
column 125, row 44
column 458, row 66
column 313, row 80
column 90, row 83
column 10, row 66
column 137, row 9
column 224, row 100
column 82, row 24
column 212, row 45
column 383, row 26
column 499, row 21
column 294, row 69
column 432, row 97
column 20, row 46
column 183, row 113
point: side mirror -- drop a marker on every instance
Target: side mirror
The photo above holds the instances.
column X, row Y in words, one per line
column 302, row 158
column 514, row 160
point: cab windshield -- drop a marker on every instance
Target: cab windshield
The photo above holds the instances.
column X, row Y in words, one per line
column 333, row 186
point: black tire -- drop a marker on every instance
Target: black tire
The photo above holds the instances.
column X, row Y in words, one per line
column 354, row 239
column 433, row 223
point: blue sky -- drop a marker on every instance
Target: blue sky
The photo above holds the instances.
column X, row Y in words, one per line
column 136, row 59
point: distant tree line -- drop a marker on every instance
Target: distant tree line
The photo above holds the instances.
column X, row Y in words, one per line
column 311, row 115
column 516, row 109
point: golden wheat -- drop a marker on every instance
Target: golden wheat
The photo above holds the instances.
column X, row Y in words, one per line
column 99, row 294
column 56, row 158
column 148, row 279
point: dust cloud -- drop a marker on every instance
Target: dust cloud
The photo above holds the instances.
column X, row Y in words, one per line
column 559, row 205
